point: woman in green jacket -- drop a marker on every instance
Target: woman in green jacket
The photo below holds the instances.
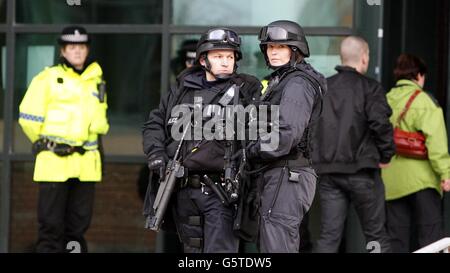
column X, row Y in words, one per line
column 414, row 187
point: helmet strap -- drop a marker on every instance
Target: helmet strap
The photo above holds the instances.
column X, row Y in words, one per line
column 208, row 64
column 293, row 60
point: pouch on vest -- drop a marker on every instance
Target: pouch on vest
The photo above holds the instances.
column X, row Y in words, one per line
column 208, row 155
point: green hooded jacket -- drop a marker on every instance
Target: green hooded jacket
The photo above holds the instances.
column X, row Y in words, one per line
column 406, row 176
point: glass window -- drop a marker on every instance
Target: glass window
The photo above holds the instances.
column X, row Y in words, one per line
column 180, row 43
column 252, row 62
column 367, row 23
column 2, row 85
column 89, row 11
column 260, row 12
column 117, row 222
column 324, row 54
column 2, row 11
column 132, row 71
column 33, row 54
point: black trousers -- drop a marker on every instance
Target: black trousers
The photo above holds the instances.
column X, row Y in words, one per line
column 365, row 190
column 64, row 215
column 283, row 206
column 305, row 235
column 213, row 233
column 415, row 221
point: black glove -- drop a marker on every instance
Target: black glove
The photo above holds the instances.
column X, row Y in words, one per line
column 157, row 163
column 251, row 151
column 237, row 155
column 255, row 202
column 38, row 146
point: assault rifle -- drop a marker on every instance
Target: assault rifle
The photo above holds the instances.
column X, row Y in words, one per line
column 174, row 170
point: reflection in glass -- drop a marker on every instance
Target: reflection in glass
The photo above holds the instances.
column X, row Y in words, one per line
column 33, row 54
column 260, row 12
column 131, row 66
column 324, row 54
column 117, row 223
column 176, row 54
column 367, row 22
column 2, row 86
column 2, row 11
column 89, row 11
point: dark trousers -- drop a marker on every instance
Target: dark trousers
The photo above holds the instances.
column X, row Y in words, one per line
column 204, row 224
column 305, row 235
column 365, row 190
column 64, row 215
column 415, row 221
column 283, row 205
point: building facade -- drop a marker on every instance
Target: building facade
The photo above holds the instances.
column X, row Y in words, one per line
column 135, row 41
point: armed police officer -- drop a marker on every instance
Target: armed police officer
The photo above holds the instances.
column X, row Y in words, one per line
column 203, row 208
column 63, row 113
column 287, row 180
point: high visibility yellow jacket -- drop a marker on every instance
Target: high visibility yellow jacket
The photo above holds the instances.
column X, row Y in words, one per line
column 64, row 106
column 406, row 176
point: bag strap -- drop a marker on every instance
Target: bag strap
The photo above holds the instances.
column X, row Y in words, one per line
column 408, row 104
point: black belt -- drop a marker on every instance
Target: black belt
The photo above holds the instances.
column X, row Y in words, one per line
column 299, row 162
column 196, row 180
column 59, row 149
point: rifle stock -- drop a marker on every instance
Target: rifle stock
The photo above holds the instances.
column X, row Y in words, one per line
column 174, row 170
column 166, row 188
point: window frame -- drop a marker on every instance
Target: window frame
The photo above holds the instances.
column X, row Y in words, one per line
column 11, row 29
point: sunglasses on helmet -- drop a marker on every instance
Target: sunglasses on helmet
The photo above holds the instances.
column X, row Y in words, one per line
column 276, row 34
column 223, row 35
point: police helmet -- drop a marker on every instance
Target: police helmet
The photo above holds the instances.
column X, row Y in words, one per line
column 284, row 32
column 74, row 35
column 187, row 52
column 219, row 38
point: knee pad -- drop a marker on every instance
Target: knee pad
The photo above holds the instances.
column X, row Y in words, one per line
column 188, row 239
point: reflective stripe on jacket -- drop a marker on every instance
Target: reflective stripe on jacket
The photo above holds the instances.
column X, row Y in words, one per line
column 64, row 106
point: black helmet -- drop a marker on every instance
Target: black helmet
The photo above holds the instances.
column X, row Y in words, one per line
column 284, row 32
column 188, row 50
column 219, row 38
column 73, row 35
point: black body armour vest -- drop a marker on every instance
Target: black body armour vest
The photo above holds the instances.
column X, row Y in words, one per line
column 201, row 155
column 273, row 96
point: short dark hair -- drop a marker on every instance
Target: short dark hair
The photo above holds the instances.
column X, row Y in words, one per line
column 408, row 67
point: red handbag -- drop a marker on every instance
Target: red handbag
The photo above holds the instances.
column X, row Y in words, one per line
column 409, row 144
